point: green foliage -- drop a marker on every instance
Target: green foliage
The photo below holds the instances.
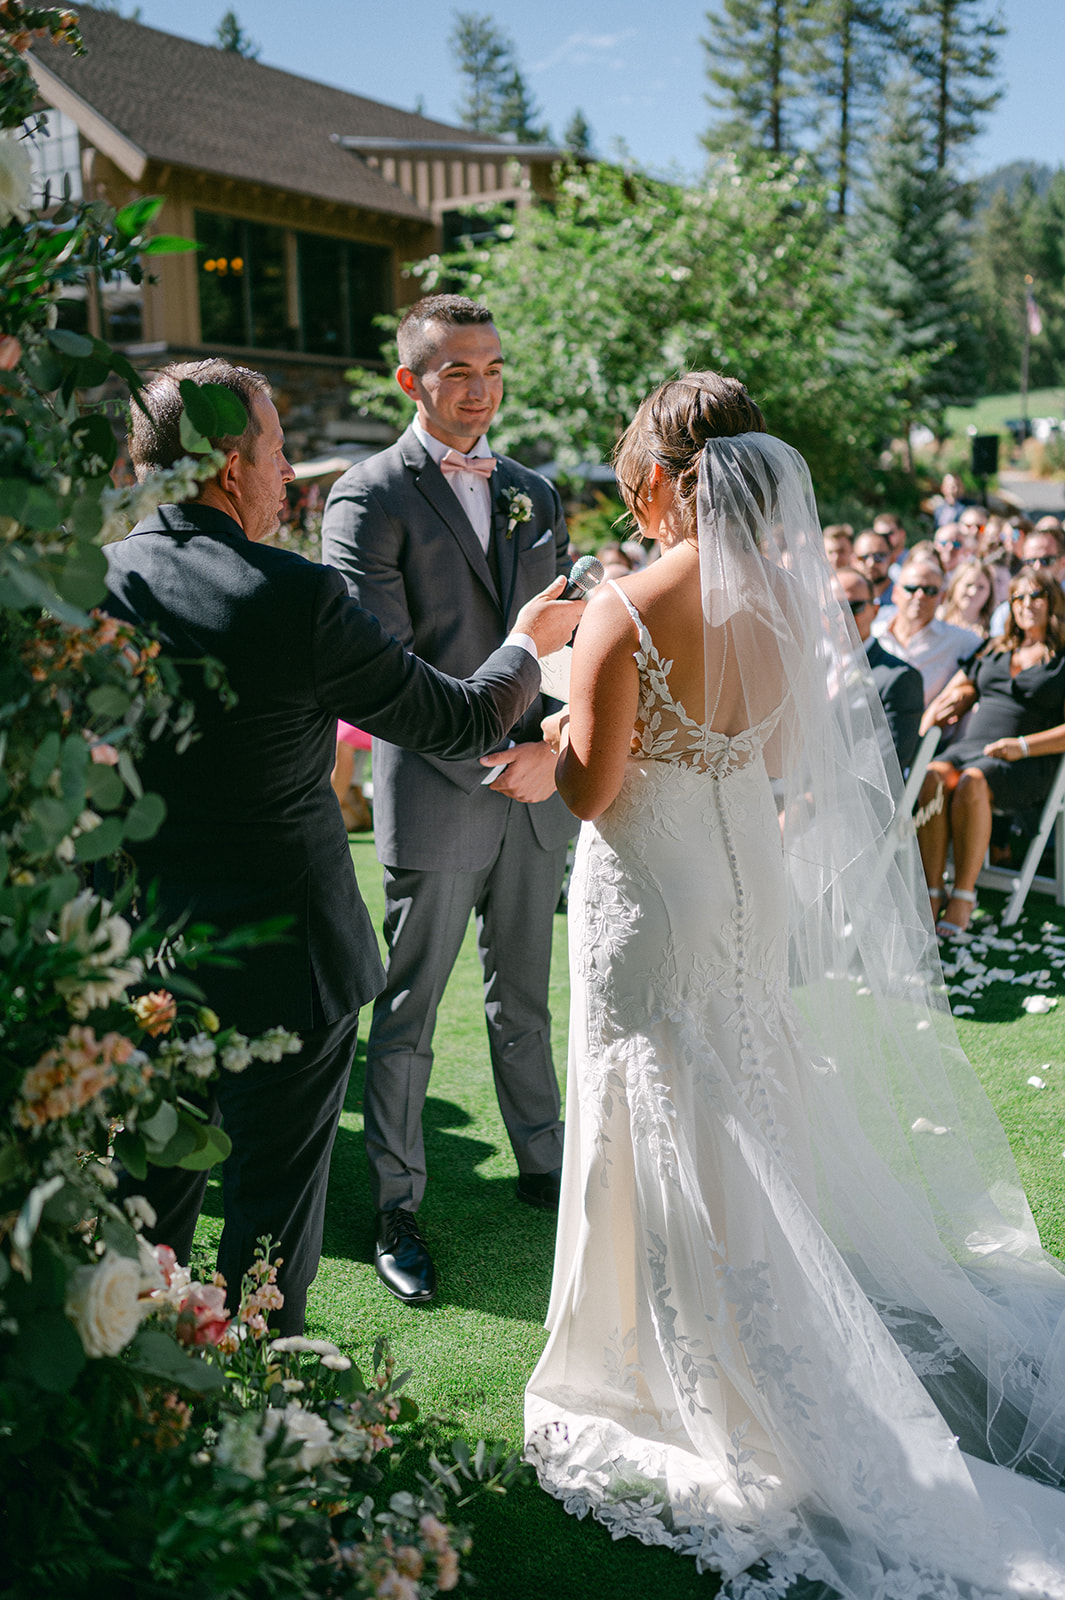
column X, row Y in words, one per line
column 916, row 307
column 952, row 47
column 497, row 98
column 756, row 62
column 231, row 36
column 623, row 282
column 1015, row 238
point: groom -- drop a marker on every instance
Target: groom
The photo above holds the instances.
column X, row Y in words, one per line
column 443, row 542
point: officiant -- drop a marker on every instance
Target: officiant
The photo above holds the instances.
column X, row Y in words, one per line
column 253, row 830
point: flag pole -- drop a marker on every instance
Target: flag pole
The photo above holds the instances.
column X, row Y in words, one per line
column 1026, row 351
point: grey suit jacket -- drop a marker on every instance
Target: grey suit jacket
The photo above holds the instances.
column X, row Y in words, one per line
column 396, row 531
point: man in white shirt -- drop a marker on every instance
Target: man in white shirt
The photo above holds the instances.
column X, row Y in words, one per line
column 916, row 634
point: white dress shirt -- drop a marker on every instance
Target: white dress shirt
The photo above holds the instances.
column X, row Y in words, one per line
column 935, row 651
column 472, row 491
column 474, row 495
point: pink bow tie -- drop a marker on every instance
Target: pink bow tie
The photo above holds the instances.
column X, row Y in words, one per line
column 455, row 461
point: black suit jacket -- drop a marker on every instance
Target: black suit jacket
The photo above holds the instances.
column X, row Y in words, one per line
column 253, row 829
column 901, row 691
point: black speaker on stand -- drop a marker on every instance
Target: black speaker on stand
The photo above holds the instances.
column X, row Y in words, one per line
column 985, row 460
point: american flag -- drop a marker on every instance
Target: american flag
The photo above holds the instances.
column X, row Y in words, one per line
column 1035, row 321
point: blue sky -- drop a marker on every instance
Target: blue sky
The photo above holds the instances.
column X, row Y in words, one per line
column 635, row 69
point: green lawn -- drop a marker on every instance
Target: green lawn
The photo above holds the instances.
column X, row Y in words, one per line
column 473, row 1349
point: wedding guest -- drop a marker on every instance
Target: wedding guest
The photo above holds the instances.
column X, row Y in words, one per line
column 252, row 830
column 872, row 558
column 1043, row 550
column 617, row 563
column 899, row 685
column 916, row 635
column 969, row 598
column 952, row 545
column 951, row 505
column 839, row 545
column 1007, row 757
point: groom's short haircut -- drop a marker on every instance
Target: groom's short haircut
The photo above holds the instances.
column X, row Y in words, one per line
column 414, row 337
column 155, row 433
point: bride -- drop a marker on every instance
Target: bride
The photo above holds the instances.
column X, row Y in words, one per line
column 801, row 1322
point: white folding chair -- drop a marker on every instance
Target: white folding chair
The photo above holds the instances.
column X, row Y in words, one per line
column 1052, row 819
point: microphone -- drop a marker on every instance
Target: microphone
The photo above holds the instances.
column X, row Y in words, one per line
column 586, row 572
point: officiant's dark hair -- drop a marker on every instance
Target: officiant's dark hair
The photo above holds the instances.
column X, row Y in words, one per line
column 415, row 342
column 672, row 426
column 155, row 438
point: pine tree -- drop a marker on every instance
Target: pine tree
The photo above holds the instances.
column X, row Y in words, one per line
column 918, row 309
column 755, row 50
column 953, row 50
column 231, row 36
column 1014, row 239
column 578, row 135
column 497, row 98
column 848, row 51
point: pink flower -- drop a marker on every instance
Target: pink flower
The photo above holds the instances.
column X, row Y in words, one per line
column 202, row 1316
column 10, row 352
column 167, row 1262
column 155, row 1012
column 104, row 755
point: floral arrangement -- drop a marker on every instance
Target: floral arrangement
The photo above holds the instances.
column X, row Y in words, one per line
column 150, row 1442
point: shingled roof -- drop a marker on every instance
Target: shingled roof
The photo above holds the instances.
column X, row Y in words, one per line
column 192, row 105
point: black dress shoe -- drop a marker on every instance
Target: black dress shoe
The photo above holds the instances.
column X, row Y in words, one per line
column 540, row 1189
column 403, row 1264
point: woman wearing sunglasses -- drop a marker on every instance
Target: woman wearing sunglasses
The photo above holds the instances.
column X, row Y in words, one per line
column 1008, row 754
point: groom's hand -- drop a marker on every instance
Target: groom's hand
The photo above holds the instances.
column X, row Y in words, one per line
column 526, row 772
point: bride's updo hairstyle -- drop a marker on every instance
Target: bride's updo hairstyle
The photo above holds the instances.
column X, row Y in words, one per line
column 671, row 427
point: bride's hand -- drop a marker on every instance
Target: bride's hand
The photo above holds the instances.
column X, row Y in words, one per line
column 555, row 730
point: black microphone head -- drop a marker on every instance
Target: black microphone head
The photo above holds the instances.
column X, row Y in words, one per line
column 586, row 573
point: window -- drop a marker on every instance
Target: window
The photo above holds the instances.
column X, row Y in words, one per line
column 57, row 156
column 243, row 290
column 343, row 286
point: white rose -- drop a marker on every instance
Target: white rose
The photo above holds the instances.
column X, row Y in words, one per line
column 16, row 178
column 312, row 1431
column 102, row 1304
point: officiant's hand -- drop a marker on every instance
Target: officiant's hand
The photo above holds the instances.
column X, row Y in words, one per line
column 549, row 621
column 526, row 771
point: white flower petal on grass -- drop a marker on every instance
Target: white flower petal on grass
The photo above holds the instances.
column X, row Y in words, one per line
column 964, row 1011
column 1035, row 1082
column 1037, row 1004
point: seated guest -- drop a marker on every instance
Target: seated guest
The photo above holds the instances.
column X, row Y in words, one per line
column 1043, row 550
column 839, row 544
column 916, row 634
column 888, row 525
column 899, row 686
column 617, row 563
column 952, row 545
column 872, row 558
column 969, row 598
column 1008, row 755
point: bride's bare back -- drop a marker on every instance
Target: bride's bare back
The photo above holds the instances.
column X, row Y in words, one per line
column 605, row 685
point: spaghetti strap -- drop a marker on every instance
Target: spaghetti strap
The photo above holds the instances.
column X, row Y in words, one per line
column 627, row 603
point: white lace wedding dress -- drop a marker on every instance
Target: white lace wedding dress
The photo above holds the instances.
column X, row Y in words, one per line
column 767, row 1332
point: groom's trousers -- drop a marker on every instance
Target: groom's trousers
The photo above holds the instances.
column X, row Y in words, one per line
column 426, row 915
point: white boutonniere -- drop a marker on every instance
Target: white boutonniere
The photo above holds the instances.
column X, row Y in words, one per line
column 519, row 508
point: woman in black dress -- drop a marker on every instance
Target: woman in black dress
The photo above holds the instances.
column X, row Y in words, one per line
column 1008, row 754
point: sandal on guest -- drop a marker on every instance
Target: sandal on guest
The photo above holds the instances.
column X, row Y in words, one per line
column 945, row 929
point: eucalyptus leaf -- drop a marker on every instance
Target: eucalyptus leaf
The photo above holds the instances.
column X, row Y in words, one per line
column 214, row 1145
column 49, row 1350
column 82, row 576
column 192, row 442
column 156, row 1352
column 130, row 1151
column 45, row 760
column 168, row 244
column 105, row 788
column 145, row 817
column 158, row 1129
column 86, row 516
column 133, row 219
column 100, row 842
column 108, row 700
column 75, row 345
